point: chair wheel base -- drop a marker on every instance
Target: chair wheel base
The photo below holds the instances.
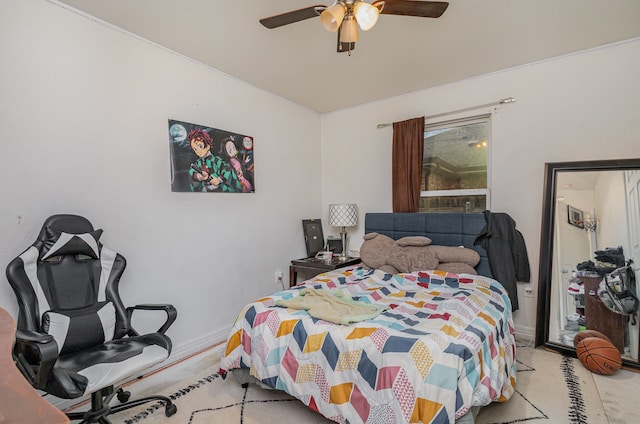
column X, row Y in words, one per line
column 170, row 409
column 123, row 395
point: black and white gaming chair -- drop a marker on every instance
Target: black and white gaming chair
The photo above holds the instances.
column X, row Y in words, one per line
column 74, row 336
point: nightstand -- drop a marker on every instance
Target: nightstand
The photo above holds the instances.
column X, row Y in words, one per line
column 599, row 317
column 313, row 267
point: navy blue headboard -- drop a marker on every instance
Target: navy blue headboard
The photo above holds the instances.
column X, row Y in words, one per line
column 444, row 229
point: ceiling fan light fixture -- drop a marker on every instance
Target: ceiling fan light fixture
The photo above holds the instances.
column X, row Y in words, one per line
column 366, row 15
column 332, row 17
column 349, row 31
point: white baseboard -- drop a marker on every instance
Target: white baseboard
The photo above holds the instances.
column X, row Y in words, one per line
column 178, row 353
column 196, row 345
column 525, row 334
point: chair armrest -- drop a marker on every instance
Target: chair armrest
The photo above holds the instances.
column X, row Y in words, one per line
column 29, row 337
column 169, row 309
column 35, row 354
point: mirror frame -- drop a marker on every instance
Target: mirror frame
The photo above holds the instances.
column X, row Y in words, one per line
column 546, row 244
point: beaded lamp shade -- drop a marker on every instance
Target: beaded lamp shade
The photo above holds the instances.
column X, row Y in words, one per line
column 343, row 215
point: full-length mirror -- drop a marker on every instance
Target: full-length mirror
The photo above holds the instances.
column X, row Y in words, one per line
column 590, row 236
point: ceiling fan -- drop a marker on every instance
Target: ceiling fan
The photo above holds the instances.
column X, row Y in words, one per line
column 344, row 16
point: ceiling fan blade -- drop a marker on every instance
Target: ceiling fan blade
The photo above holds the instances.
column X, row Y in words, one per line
column 293, row 16
column 423, row 9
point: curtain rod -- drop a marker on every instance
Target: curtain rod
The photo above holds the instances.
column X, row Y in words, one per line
column 499, row 102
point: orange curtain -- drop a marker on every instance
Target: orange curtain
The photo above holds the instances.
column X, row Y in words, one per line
column 406, row 168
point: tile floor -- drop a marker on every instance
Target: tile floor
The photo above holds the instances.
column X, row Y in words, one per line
column 619, row 392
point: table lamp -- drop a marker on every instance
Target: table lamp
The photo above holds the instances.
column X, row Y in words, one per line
column 343, row 215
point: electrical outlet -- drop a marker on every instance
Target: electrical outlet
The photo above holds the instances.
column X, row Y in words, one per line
column 279, row 277
column 528, row 290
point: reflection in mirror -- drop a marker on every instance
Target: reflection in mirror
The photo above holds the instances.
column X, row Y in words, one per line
column 590, row 229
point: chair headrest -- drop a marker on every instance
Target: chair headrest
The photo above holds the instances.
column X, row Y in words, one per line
column 73, row 224
column 68, row 235
column 61, row 243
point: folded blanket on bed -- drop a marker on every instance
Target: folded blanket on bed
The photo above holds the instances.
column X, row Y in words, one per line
column 329, row 307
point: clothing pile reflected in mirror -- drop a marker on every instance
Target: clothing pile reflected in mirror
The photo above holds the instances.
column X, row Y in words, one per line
column 606, row 261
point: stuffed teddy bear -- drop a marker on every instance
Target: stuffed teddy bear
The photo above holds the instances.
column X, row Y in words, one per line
column 415, row 253
column 456, row 259
column 410, row 254
column 375, row 250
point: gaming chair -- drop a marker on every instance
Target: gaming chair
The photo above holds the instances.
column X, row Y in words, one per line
column 74, row 335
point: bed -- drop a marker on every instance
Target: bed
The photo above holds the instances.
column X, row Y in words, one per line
column 437, row 347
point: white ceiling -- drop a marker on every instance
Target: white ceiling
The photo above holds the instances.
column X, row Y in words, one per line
column 399, row 55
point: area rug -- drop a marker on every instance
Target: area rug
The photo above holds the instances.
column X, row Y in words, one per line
column 551, row 388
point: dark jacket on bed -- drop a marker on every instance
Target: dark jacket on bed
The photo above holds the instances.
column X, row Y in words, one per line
column 506, row 251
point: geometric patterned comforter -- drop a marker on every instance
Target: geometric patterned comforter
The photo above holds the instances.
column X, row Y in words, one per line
column 446, row 343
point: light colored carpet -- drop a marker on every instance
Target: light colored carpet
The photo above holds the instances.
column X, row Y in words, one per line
column 551, row 388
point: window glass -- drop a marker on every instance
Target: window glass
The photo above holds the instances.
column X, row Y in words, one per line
column 455, row 170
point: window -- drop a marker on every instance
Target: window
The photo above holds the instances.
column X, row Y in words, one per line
column 455, row 171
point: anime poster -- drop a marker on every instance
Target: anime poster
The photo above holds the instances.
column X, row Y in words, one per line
column 205, row 159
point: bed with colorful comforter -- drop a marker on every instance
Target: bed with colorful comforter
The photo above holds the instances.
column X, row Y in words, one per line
column 442, row 344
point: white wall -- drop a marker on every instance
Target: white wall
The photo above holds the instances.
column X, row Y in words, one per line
column 611, row 205
column 84, row 110
column 579, row 107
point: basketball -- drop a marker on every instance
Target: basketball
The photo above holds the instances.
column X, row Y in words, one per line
column 599, row 355
column 588, row 333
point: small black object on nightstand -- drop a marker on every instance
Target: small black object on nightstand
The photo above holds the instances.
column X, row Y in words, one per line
column 313, row 266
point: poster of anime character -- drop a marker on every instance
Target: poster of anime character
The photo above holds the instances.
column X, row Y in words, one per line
column 205, row 159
